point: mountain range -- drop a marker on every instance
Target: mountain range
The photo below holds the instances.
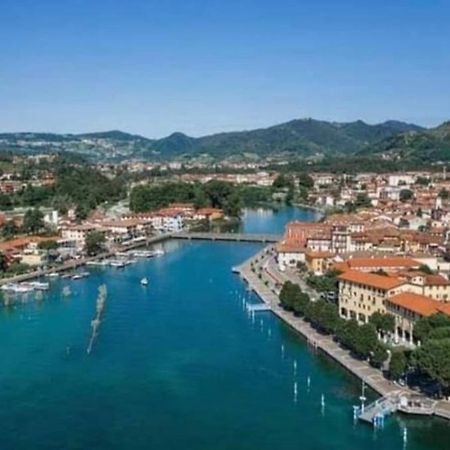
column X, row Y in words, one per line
column 297, row 138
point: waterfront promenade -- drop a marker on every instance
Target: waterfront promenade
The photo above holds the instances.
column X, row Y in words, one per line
column 266, row 291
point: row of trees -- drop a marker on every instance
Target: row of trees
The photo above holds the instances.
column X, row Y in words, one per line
column 430, row 361
column 361, row 340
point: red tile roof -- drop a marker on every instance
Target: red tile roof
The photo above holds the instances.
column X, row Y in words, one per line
column 371, row 279
column 425, row 306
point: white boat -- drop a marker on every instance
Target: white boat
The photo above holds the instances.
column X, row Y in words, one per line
column 117, row 263
column 80, row 275
column 146, row 253
column 40, row 286
column 53, row 275
column 8, row 287
column 97, row 263
column 17, row 288
column 159, row 252
column 23, row 288
column 144, row 281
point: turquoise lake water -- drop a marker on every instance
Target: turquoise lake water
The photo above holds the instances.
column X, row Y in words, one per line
column 178, row 365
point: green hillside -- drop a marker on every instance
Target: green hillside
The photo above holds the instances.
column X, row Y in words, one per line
column 428, row 146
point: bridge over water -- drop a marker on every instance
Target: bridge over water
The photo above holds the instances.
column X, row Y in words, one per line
column 237, row 237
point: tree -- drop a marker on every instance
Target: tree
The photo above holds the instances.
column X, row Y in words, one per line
column 324, row 316
column 444, row 194
column 433, row 358
column 3, row 262
column 423, row 181
column 33, row 221
column 347, row 333
column 282, row 182
column 366, row 340
column 48, row 245
column 301, row 303
column 81, row 212
column 5, row 202
column 362, row 200
column 405, row 195
column 397, row 364
column 379, row 355
column 233, row 205
column 94, row 242
column 383, row 322
column 425, row 325
column 10, row 229
column 305, row 181
column 288, row 294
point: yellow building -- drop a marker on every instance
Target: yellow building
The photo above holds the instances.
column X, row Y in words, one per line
column 361, row 294
column 319, row 262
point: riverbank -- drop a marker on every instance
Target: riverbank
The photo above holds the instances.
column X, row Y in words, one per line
column 361, row 369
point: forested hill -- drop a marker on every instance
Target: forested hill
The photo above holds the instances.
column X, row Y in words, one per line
column 427, row 146
column 301, row 137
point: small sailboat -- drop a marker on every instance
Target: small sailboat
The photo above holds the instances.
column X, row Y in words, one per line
column 144, row 281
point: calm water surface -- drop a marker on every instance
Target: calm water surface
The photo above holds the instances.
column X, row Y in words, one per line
column 178, row 365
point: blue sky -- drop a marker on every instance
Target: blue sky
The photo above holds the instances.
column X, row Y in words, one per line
column 154, row 67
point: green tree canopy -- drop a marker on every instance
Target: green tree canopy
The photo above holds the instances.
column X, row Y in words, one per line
column 383, row 321
column 398, row 364
column 33, row 221
column 305, row 181
column 406, row 194
column 433, row 358
column 94, row 242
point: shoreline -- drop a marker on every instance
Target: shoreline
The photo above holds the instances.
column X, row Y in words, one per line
column 74, row 264
column 358, row 368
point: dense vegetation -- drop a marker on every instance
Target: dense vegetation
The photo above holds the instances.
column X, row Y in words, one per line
column 217, row 194
column 79, row 186
column 419, row 147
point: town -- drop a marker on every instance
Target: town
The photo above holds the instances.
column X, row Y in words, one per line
column 377, row 254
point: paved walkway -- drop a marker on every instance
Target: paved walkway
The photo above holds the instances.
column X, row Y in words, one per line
column 265, row 288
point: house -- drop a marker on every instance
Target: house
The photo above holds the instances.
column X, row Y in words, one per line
column 77, row 234
column 319, row 262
